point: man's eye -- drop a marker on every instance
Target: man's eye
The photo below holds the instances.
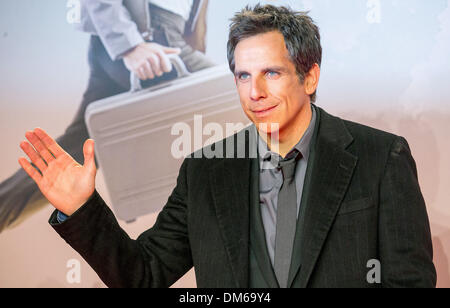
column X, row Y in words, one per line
column 244, row 76
column 272, row 74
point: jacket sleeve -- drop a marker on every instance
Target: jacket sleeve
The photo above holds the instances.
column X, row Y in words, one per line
column 113, row 24
column 406, row 252
column 159, row 256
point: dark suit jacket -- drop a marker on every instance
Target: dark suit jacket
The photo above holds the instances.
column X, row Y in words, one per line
column 363, row 202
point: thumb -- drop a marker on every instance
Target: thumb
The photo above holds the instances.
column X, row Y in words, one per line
column 170, row 50
column 89, row 155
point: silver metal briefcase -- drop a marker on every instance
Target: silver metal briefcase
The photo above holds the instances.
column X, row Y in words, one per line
column 134, row 139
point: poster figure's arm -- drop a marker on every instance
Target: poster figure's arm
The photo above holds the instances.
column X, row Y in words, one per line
column 113, row 24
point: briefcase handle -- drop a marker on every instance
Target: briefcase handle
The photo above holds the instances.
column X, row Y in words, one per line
column 176, row 61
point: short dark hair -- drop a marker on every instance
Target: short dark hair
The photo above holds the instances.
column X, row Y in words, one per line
column 300, row 33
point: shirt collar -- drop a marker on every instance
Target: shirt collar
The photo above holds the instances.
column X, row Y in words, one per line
column 303, row 146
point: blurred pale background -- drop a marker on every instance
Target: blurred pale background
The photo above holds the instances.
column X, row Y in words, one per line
column 386, row 64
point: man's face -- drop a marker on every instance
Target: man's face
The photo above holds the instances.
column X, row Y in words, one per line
column 269, row 87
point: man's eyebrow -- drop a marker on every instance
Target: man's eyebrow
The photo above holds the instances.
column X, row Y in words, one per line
column 239, row 73
column 276, row 69
column 281, row 69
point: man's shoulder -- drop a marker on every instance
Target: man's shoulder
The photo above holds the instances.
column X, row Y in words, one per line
column 372, row 146
column 363, row 133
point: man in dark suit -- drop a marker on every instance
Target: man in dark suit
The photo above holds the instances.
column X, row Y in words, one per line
column 322, row 201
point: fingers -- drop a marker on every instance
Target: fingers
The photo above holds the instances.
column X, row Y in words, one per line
column 49, row 142
column 155, row 63
column 34, row 156
column 30, row 170
column 166, row 66
column 149, row 60
column 89, row 155
column 40, row 147
column 170, row 50
column 140, row 73
column 158, row 59
column 44, row 149
column 148, row 72
column 147, row 69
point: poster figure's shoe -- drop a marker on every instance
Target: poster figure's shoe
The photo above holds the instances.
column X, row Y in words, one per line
column 19, row 197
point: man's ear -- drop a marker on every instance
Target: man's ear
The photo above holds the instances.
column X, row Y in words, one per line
column 312, row 79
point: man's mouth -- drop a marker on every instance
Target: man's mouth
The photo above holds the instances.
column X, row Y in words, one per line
column 261, row 112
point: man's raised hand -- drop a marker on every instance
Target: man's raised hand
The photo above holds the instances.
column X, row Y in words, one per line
column 66, row 184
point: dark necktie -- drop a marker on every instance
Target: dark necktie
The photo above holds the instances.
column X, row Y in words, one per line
column 286, row 220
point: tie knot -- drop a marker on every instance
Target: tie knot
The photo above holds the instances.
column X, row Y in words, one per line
column 288, row 165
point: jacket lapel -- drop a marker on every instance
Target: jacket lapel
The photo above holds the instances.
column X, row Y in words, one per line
column 329, row 175
column 230, row 182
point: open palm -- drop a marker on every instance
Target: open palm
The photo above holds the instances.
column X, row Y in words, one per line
column 64, row 182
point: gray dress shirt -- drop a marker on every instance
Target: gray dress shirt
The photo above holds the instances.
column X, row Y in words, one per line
column 271, row 180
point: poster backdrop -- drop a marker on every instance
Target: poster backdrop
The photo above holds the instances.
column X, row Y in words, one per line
column 386, row 64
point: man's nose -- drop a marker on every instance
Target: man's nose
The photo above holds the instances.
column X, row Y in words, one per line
column 258, row 89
